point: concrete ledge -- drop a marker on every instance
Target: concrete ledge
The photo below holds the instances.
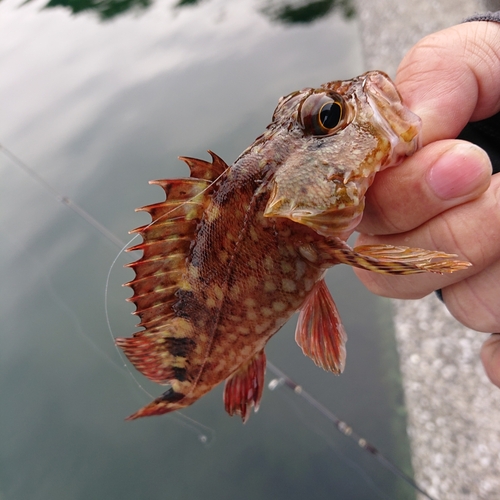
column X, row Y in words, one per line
column 452, row 407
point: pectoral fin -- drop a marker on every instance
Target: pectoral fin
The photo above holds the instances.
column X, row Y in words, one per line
column 388, row 259
column 319, row 332
column 244, row 388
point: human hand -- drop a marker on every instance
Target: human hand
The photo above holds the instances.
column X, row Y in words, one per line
column 444, row 197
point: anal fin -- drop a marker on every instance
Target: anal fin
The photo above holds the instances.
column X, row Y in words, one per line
column 243, row 388
column 320, row 333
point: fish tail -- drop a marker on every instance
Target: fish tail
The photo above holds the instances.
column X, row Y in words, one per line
column 161, row 354
column 169, row 401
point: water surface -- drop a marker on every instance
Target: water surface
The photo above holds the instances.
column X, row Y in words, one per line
column 98, row 104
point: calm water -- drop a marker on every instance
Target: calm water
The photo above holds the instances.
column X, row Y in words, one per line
column 97, row 108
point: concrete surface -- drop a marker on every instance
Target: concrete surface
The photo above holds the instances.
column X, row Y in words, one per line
column 453, row 410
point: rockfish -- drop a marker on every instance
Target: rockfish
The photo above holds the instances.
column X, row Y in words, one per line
column 235, row 250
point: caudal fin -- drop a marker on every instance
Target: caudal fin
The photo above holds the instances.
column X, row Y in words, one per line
column 169, row 401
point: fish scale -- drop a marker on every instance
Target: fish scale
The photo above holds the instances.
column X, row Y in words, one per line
column 235, row 250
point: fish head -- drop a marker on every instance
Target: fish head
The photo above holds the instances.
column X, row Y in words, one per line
column 330, row 142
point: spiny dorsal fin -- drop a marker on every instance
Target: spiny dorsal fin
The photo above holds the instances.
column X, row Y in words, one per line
column 165, row 246
column 201, row 169
column 160, row 350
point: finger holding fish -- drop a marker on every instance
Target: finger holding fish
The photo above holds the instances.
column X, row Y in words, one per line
column 435, row 179
column 451, row 77
column 490, row 356
column 474, row 300
column 463, row 220
column 444, row 196
column 469, row 230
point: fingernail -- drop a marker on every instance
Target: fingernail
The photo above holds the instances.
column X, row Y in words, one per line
column 461, row 170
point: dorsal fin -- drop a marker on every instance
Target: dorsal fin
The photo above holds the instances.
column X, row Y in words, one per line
column 166, row 242
column 201, row 169
column 160, row 350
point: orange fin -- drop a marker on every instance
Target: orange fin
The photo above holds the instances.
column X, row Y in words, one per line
column 201, row 169
column 167, row 239
column 169, row 401
column 159, row 273
column 244, row 388
column 388, row 259
column 320, row 333
column 161, row 353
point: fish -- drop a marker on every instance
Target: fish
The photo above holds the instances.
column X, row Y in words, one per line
column 234, row 251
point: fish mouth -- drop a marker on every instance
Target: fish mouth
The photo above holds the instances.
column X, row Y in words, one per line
column 401, row 125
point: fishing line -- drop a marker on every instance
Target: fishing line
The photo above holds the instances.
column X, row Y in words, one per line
column 123, row 249
column 68, row 202
column 207, row 438
column 29, row 257
column 297, row 407
column 342, row 426
column 106, row 312
column 283, row 379
column 65, row 200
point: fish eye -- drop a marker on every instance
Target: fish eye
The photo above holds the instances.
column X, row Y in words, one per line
column 330, row 115
column 323, row 114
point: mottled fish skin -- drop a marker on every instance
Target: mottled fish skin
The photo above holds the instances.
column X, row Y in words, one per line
column 234, row 251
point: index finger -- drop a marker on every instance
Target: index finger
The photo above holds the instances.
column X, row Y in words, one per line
column 451, row 77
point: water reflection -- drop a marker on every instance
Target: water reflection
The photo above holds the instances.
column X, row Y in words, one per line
column 106, row 9
column 277, row 11
column 307, row 12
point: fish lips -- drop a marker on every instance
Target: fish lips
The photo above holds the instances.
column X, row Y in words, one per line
column 401, row 126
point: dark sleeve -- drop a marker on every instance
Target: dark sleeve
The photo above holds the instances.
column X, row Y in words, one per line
column 485, row 133
column 487, row 16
